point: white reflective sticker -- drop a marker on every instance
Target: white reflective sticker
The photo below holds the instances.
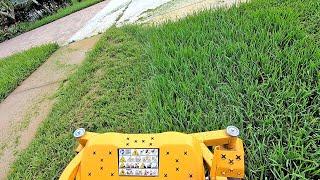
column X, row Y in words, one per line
column 138, row 162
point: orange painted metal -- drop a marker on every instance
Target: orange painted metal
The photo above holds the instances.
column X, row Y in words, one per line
column 176, row 156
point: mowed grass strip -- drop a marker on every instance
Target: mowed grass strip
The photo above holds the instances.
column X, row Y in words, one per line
column 105, row 94
column 16, row 68
column 255, row 66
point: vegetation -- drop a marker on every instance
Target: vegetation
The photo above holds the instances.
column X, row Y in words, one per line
column 256, row 66
column 22, row 27
column 76, row 6
column 7, row 9
column 16, row 68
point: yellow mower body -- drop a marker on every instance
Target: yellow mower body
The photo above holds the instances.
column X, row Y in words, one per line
column 170, row 155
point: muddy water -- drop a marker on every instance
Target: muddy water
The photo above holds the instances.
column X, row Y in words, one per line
column 24, row 109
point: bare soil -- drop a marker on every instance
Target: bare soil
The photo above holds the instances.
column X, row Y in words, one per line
column 178, row 9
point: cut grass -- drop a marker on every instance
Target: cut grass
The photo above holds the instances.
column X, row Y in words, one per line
column 113, row 98
column 28, row 26
column 16, row 68
column 256, row 66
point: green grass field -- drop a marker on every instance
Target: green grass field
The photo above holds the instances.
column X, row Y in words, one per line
column 28, row 26
column 16, row 68
column 256, row 67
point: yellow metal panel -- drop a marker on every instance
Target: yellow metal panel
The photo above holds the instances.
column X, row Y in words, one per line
column 228, row 163
column 207, row 155
column 213, row 138
column 180, row 156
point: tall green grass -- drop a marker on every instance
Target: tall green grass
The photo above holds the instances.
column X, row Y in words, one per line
column 16, row 68
column 256, row 66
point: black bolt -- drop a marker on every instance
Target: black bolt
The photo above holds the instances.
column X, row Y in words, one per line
column 223, row 156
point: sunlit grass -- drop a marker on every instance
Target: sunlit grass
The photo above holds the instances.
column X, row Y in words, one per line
column 16, row 68
column 256, row 67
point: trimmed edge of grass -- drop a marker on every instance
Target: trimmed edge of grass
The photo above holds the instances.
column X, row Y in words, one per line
column 117, row 57
column 16, row 68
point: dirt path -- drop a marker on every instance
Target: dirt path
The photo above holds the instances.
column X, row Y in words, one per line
column 58, row 31
column 178, row 9
column 25, row 108
column 122, row 12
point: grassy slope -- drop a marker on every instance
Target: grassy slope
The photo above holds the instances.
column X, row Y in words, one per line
column 256, row 66
column 28, row 26
column 106, row 92
column 14, row 69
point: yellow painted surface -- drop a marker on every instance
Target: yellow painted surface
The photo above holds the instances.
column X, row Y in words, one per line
column 180, row 156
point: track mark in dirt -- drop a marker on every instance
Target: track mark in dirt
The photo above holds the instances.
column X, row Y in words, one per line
column 22, row 111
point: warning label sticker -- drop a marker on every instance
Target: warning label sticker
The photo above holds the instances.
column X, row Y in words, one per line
column 138, row 162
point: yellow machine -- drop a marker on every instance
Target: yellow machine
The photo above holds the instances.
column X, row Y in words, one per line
column 214, row 155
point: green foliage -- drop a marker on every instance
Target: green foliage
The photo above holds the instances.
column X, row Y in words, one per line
column 256, row 66
column 6, row 9
column 16, row 68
